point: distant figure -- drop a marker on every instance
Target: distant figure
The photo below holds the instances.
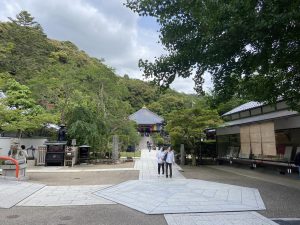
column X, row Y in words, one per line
column 62, row 132
column 149, row 145
column 297, row 161
column 160, row 163
column 32, row 151
column 24, row 152
column 169, row 158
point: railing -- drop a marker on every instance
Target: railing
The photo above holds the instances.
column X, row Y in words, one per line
column 41, row 156
column 14, row 161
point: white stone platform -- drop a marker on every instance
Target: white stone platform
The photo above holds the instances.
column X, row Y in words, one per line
column 230, row 218
column 12, row 192
column 183, row 196
column 66, row 196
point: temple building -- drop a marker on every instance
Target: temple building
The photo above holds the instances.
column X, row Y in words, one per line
column 260, row 133
column 147, row 121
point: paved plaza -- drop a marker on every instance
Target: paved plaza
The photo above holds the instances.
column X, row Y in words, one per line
column 183, row 196
column 66, row 196
column 231, row 218
column 180, row 201
column 12, row 192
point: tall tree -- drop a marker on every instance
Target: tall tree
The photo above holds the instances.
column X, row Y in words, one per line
column 18, row 110
column 256, row 40
column 24, row 19
column 188, row 125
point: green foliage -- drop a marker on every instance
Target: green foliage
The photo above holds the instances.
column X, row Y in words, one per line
column 222, row 105
column 86, row 127
column 139, row 93
column 187, row 126
column 157, row 139
column 18, row 111
column 55, row 81
column 24, row 19
column 130, row 154
column 250, row 47
column 27, row 50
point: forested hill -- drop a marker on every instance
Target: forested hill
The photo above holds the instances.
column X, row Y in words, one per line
column 65, row 81
column 58, row 69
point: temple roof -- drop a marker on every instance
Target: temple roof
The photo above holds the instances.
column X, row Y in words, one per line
column 246, row 106
column 145, row 116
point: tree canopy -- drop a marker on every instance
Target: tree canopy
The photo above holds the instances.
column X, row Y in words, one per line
column 187, row 125
column 19, row 111
column 249, row 47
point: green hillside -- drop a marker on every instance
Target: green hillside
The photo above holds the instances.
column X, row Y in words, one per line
column 78, row 90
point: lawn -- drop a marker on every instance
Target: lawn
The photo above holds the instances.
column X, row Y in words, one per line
column 131, row 154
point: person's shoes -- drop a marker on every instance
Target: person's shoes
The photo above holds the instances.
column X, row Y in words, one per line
column 170, row 176
column 167, row 176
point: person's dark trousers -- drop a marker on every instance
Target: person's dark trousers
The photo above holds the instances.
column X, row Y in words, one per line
column 169, row 165
column 161, row 165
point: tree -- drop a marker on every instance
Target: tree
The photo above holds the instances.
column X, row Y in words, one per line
column 86, row 127
column 221, row 104
column 26, row 49
column 188, row 125
column 24, row 19
column 18, row 110
column 257, row 41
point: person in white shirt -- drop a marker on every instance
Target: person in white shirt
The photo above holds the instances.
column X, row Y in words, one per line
column 169, row 161
column 159, row 156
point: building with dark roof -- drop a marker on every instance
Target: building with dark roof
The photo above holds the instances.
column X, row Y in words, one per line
column 260, row 132
column 147, row 120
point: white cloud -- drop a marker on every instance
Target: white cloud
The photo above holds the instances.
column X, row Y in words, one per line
column 104, row 29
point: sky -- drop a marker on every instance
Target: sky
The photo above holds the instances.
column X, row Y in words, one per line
column 103, row 29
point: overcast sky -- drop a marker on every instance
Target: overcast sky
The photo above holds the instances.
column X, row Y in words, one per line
column 102, row 28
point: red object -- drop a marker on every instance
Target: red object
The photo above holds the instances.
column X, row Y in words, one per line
column 14, row 161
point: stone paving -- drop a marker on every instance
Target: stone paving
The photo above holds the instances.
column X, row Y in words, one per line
column 150, row 194
column 154, row 194
column 147, row 165
column 12, row 192
column 183, row 196
column 232, row 218
column 65, row 196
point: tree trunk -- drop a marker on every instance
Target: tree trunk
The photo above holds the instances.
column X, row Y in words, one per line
column 193, row 157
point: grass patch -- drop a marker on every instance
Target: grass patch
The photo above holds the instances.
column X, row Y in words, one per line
column 131, row 154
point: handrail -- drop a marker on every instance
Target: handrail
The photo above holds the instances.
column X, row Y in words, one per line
column 14, row 161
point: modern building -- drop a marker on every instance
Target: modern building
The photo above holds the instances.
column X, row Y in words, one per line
column 260, row 133
column 147, row 121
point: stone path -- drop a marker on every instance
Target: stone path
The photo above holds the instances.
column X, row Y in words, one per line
column 12, row 192
column 232, row 218
column 65, row 196
column 183, row 196
column 147, row 165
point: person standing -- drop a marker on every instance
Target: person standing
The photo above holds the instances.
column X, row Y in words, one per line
column 297, row 161
column 160, row 162
column 149, row 145
column 169, row 161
